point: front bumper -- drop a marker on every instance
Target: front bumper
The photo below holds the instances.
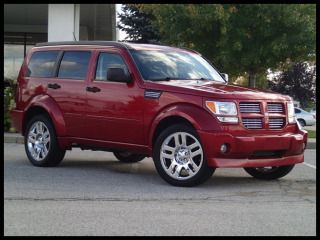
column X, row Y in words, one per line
column 243, row 151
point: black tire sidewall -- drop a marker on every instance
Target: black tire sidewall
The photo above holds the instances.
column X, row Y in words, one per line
column 55, row 153
column 203, row 174
column 132, row 158
column 281, row 171
column 302, row 122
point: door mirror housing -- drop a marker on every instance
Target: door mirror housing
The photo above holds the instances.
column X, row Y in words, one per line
column 117, row 74
column 225, row 77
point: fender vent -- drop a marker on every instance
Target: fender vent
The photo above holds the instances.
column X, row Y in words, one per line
column 152, row 94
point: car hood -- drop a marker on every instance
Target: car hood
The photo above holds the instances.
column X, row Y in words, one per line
column 216, row 90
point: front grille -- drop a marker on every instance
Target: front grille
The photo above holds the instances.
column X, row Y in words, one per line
column 275, row 108
column 252, row 123
column 249, row 107
column 276, row 123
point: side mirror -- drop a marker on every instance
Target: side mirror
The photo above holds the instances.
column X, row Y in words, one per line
column 118, row 75
column 225, row 76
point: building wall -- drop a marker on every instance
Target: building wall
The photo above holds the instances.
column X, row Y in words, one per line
column 27, row 24
column 63, row 22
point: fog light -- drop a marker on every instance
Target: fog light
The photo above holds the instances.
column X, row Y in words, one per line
column 224, row 148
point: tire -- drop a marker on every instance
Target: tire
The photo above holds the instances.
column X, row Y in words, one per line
column 269, row 173
column 41, row 143
column 302, row 122
column 174, row 160
column 128, row 157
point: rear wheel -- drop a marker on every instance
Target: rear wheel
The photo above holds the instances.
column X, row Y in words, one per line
column 41, row 143
column 179, row 158
column 269, row 173
column 302, row 122
column 128, row 157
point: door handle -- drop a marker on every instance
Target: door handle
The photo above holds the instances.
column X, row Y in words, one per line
column 93, row 89
column 54, row 86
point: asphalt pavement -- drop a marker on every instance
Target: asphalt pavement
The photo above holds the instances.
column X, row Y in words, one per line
column 91, row 193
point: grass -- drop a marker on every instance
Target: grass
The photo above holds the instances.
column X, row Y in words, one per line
column 312, row 134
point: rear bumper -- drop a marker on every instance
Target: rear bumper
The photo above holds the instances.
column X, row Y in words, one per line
column 243, row 151
column 16, row 117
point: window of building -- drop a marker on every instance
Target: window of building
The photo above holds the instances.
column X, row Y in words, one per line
column 74, row 65
column 107, row 60
column 42, row 64
column 16, row 46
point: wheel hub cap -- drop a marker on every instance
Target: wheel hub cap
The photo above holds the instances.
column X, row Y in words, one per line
column 182, row 155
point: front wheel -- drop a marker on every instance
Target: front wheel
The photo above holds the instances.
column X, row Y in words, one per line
column 41, row 143
column 179, row 157
column 128, row 157
column 269, row 173
column 302, row 122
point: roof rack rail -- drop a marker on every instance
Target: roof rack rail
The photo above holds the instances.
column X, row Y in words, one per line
column 102, row 43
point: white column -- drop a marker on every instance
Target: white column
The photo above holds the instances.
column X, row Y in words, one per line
column 63, row 22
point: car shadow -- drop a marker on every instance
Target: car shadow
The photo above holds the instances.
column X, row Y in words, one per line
column 146, row 172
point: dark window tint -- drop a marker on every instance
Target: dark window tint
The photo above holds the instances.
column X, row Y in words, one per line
column 296, row 110
column 108, row 60
column 74, row 65
column 41, row 64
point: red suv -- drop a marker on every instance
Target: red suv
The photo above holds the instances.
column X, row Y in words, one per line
column 141, row 100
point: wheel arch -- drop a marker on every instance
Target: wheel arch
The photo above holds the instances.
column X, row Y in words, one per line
column 44, row 104
column 190, row 115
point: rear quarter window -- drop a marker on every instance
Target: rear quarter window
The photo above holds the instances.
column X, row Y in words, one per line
column 74, row 65
column 42, row 64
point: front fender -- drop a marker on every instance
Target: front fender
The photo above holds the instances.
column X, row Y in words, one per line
column 52, row 108
column 197, row 116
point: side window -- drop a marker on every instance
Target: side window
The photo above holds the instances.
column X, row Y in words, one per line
column 296, row 110
column 107, row 60
column 42, row 63
column 74, row 65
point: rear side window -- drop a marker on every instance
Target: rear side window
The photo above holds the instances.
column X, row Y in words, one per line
column 74, row 65
column 42, row 64
column 108, row 60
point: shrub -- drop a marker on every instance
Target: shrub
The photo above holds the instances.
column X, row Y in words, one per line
column 9, row 94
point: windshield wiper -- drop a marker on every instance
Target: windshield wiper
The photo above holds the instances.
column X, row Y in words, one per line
column 203, row 79
column 164, row 79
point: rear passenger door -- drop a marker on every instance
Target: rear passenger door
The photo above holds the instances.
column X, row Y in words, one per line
column 68, row 86
column 115, row 109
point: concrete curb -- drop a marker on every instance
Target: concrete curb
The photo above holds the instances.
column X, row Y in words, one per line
column 17, row 138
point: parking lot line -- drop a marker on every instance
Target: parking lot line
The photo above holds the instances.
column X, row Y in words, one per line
column 309, row 165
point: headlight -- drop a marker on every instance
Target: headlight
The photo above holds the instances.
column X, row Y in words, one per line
column 225, row 111
column 291, row 115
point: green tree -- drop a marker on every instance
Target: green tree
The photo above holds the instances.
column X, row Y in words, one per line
column 137, row 24
column 241, row 39
column 299, row 82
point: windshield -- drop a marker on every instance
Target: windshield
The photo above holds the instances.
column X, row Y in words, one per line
column 157, row 65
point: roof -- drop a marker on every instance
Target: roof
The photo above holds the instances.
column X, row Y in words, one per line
column 126, row 45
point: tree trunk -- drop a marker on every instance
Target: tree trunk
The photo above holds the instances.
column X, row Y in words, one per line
column 252, row 79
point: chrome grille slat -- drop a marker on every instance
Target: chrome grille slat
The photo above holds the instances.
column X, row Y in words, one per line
column 275, row 108
column 276, row 123
column 249, row 107
column 251, row 123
